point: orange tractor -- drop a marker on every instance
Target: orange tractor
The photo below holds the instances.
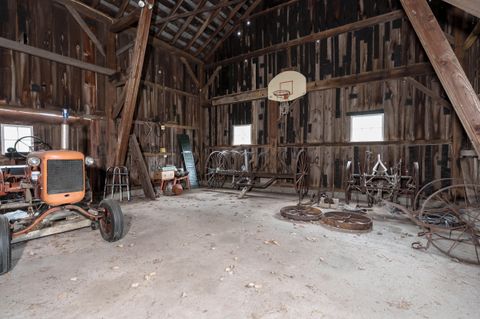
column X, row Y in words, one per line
column 50, row 182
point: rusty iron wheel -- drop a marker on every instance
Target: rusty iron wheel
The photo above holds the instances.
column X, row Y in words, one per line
column 302, row 169
column 352, row 222
column 111, row 223
column 301, row 213
column 216, row 162
column 451, row 218
column 5, row 247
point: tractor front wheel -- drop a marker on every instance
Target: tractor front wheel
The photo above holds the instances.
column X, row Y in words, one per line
column 5, row 248
column 111, row 223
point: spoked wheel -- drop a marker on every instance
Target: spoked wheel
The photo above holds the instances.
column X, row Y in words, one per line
column 27, row 144
column 348, row 181
column 5, row 248
column 413, row 185
column 451, row 217
column 111, row 223
column 302, row 168
column 216, row 162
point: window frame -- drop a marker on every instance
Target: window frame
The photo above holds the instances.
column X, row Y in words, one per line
column 357, row 115
column 233, row 134
column 3, row 126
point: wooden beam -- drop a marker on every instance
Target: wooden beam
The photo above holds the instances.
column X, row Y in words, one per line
column 211, row 79
column 169, row 48
column 187, row 22
column 16, row 46
column 198, row 10
column 260, row 13
column 245, row 15
column 220, row 28
column 144, row 176
column 87, row 11
column 121, row 9
column 172, row 12
column 132, row 84
column 202, row 28
column 435, row 97
column 354, row 26
column 190, row 71
column 446, row 65
column 161, row 87
column 473, row 37
column 117, row 107
column 469, row 6
column 85, row 28
column 338, row 82
column 126, row 21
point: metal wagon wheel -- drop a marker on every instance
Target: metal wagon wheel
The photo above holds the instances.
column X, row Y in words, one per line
column 413, row 184
column 348, row 181
column 302, row 168
column 215, row 164
column 451, row 217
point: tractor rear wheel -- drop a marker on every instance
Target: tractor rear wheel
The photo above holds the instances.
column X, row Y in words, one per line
column 5, row 248
column 111, row 224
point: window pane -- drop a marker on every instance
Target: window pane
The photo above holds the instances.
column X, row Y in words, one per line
column 24, row 131
column 366, row 128
column 242, row 134
column 11, row 133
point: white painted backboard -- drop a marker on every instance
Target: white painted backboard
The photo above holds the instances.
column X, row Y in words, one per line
column 292, row 81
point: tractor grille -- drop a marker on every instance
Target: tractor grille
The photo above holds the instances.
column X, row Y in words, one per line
column 64, row 176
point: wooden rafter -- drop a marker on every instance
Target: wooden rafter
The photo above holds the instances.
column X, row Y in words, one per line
column 247, row 13
column 472, row 38
column 422, row 88
column 211, row 79
column 469, row 6
column 199, row 9
column 174, row 10
column 187, row 22
column 337, row 82
column 133, row 84
column 204, row 26
column 87, row 11
column 220, row 28
column 448, row 68
column 76, row 16
column 315, row 36
column 122, row 8
column 125, row 22
column 17, row 46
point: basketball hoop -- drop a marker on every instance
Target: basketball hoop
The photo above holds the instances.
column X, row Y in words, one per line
column 282, row 94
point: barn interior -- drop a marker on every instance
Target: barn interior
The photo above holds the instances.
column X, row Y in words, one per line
column 239, row 158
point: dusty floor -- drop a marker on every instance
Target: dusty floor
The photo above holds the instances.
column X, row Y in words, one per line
column 192, row 257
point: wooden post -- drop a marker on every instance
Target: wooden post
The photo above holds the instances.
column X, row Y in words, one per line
column 145, row 179
column 446, row 65
column 133, row 84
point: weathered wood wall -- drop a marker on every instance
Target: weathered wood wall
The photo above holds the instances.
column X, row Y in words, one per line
column 417, row 127
column 167, row 98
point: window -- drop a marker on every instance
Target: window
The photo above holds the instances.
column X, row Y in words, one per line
column 366, row 128
column 11, row 133
column 242, row 134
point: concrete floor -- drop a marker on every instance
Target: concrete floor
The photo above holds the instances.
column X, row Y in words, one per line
column 193, row 256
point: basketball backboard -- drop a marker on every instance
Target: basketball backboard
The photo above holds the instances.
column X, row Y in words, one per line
column 287, row 86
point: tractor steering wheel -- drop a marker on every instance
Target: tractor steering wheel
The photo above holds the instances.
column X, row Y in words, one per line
column 36, row 144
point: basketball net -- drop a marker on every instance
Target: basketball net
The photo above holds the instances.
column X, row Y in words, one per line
column 284, row 105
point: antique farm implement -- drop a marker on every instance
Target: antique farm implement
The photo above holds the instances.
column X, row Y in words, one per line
column 237, row 166
column 380, row 182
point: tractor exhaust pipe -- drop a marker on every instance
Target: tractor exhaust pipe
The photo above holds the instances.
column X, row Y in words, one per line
column 65, row 130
